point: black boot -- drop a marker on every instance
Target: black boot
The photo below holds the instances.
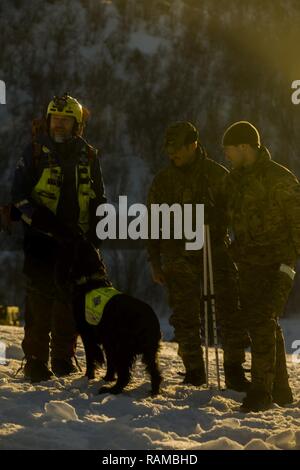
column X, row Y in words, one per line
column 63, row 367
column 256, row 400
column 195, row 377
column 282, row 396
column 36, row 370
column 235, row 378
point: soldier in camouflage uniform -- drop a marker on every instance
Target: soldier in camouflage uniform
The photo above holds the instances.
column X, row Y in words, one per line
column 264, row 210
column 191, row 177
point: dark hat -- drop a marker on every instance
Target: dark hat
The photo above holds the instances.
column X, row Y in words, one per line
column 179, row 134
column 241, row 132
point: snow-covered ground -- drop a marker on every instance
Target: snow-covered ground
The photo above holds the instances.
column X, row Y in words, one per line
column 68, row 413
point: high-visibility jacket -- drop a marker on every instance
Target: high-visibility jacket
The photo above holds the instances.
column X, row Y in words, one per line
column 47, row 190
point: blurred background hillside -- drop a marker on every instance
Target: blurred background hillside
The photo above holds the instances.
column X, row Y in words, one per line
column 138, row 65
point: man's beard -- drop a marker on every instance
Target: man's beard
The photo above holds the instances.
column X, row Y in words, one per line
column 59, row 137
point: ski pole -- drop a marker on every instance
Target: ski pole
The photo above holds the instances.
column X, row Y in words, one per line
column 213, row 304
column 205, row 297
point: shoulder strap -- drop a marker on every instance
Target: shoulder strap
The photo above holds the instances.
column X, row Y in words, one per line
column 87, row 153
column 92, row 153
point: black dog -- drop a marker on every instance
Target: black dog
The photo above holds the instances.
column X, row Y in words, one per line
column 128, row 326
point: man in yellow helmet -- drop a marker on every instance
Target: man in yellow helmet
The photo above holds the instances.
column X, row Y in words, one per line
column 56, row 189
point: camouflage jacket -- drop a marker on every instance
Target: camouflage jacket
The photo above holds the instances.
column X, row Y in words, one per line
column 263, row 203
column 200, row 182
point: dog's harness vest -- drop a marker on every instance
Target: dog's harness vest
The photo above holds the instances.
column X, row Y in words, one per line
column 95, row 302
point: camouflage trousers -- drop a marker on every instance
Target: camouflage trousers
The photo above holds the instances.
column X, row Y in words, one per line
column 264, row 291
column 184, row 281
column 49, row 320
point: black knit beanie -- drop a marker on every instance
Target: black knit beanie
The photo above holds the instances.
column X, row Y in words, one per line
column 241, row 132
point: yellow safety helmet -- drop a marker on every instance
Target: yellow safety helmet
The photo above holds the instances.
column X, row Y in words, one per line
column 66, row 105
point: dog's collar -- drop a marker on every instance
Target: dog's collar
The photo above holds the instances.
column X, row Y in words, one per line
column 86, row 279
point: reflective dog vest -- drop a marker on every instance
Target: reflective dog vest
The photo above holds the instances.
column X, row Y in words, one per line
column 95, row 302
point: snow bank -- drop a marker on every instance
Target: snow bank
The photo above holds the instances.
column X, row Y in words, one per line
column 67, row 413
